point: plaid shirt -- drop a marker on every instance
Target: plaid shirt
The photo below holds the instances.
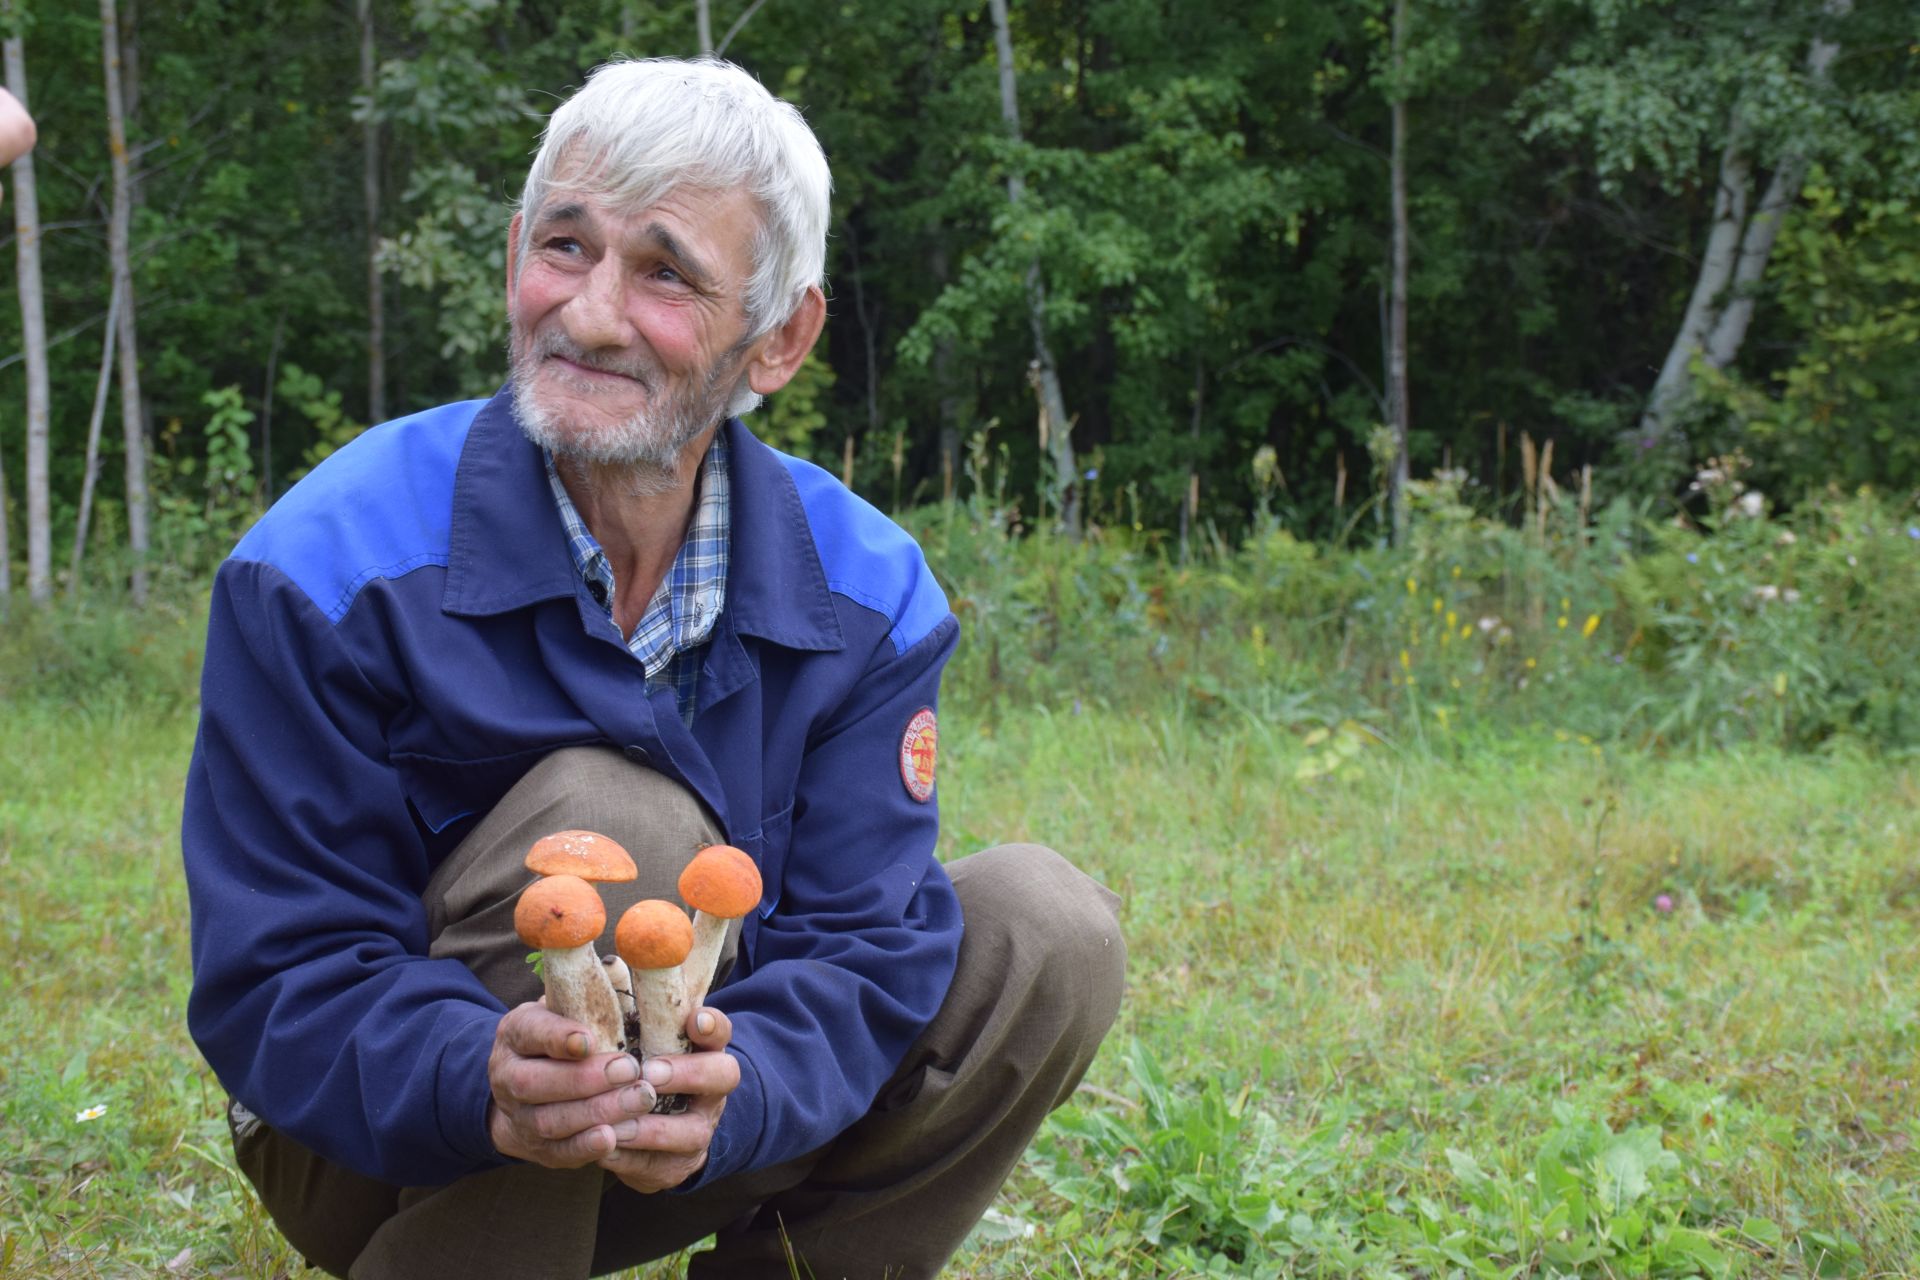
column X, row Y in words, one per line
column 683, row 610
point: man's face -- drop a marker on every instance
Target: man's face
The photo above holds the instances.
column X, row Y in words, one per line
column 628, row 327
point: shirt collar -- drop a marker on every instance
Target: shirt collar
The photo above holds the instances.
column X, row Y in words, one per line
column 508, row 550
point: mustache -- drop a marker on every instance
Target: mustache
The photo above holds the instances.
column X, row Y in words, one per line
column 554, row 342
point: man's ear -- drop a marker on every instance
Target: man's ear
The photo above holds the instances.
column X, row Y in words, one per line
column 778, row 354
column 513, row 256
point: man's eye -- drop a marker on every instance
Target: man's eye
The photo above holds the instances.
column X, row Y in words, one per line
column 564, row 245
column 667, row 274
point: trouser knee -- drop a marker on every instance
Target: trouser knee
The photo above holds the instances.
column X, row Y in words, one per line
column 1050, row 936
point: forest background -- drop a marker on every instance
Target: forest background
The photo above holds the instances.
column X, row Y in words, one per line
column 1430, row 491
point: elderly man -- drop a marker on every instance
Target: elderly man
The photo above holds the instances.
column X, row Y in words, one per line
column 596, row 601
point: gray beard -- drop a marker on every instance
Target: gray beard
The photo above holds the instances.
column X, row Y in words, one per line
column 645, row 449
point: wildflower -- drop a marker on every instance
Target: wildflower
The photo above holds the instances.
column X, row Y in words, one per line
column 1561, row 622
column 1913, row 531
column 1406, row 661
column 1664, row 904
column 91, row 1113
column 1752, row 504
column 1693, row 557
column 1466, row 632
column 1413, row 586
column 1790, row 596
column 1766, row 592
column 1091, row 473
column 1531, row 664
column 1456, row 568
column 1453, row 619
column 1488, row 623
column 1438, row 604
column 1787, row 538
column 1591, row 625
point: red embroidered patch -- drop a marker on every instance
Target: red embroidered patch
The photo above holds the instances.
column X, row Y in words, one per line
column 916, row 754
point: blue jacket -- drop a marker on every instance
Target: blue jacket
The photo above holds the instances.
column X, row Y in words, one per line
column 400, row 639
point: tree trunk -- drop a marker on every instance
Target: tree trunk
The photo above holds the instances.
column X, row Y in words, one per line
column 1056, row 427
column 1190, row 500
column 703, row 24
column 92, row 473
column 118, row 232
column 6, row 557
column 1397, row 404
column 370, row 181
column 1738, row 249
column 33, row 323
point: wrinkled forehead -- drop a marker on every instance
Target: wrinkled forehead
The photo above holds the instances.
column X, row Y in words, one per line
column 616, row 187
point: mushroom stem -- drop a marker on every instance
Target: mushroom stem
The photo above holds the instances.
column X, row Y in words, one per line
column 660, row 997
column 709, row 936
column 578, row 988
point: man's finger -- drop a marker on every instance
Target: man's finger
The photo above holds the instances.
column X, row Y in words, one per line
column 709, row 1028
column 560, row 1120
column 533, row 1031
column 695, row 1073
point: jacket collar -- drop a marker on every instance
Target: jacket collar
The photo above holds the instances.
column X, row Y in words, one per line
column 508, row 549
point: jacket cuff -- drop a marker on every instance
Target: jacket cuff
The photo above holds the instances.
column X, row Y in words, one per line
column 737, row 1135
column 463, row 1092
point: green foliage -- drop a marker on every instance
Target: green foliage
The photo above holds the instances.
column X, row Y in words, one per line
column 330, row 426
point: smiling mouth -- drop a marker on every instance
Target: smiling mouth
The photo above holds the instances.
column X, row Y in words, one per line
column 577, row 371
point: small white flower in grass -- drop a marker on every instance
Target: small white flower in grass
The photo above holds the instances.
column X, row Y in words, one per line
column 91, row 1113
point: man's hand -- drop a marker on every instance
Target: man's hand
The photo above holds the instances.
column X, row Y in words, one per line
column 553, row 1103
column 667, row 1150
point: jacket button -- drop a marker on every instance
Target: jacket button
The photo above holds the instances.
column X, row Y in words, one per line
column 637, row 754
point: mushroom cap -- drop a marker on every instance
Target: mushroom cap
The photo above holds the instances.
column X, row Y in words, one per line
column 586, row 854
column 558, row 912
column 653, row 934
column 721, row 881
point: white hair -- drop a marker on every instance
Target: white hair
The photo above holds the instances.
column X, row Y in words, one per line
column 640, row 129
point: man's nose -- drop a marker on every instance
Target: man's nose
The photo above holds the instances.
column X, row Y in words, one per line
column 596, row 316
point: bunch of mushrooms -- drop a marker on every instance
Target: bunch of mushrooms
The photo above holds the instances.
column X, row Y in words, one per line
column 664, row 966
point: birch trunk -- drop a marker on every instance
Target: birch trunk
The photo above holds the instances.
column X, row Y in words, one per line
column 92, row 473
column 1190, row 500
column 1739, row 246
column 1397, row 405
column 370, row 184
column 1056, row 427
column 6, row 558
column 118, row 232
column 703, row 24
column 33, row 323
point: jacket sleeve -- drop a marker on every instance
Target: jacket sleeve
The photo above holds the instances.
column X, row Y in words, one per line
column 857, row 955
column 313, row 998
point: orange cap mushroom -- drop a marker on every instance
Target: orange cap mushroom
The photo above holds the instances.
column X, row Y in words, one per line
column 653, row 934
column 562, row 915
column 653, row 937
column 559, row 912
column 720, row 884
column 586, row 854
column 721, row 881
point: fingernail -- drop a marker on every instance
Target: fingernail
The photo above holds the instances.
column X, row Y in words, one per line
column 626, row 1131
column 656, row 1072
column 576, row 1045
column 639, row 1099
column 703, row 1023
column 623, row 1070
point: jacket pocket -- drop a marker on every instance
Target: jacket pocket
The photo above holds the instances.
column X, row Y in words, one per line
column 768, row 849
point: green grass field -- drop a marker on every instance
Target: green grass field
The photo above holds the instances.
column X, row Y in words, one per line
column 1502, row 1005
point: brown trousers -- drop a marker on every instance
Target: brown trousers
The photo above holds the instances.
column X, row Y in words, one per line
column 1039, row 980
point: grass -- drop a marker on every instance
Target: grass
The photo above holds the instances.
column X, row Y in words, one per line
column 1419, row 1015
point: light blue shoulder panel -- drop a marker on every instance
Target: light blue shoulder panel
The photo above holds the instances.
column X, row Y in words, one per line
column 868, row 558
column 380, row 507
